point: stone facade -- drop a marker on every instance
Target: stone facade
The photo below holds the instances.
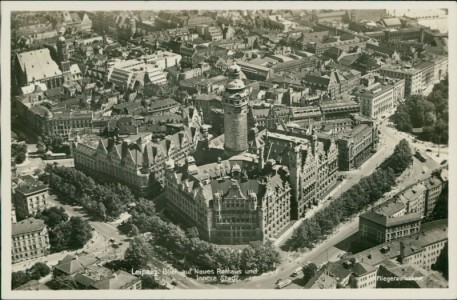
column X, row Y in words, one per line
column 225, row 204
column 135, row 160
column 29, row 240
column 29, row 198
column 379, row 228
column 235, row 103
column 356, row 146
column 313, row 167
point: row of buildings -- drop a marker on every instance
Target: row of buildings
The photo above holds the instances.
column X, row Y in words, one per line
column 403, row 214
column 402, row 263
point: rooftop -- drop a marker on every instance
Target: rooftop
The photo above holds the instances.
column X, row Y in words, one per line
column 27, row 226
column 119, row 280
column 38, row 65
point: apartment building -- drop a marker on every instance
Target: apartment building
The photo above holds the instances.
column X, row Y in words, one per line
column 357, row 145
column 378, row 228
column 30, row 197
column 379, row 98
column 30, row 240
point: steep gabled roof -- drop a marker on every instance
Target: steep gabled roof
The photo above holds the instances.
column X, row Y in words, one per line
column 38, row 65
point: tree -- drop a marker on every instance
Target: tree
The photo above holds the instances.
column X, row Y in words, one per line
column 41, row 147
column 137, row 254
column 102, row 210
column 53, row 216
column 134, row 231
column 73, row 234
column 39, row 270
column 19, row 153
column 192, row 232
column 63, row 283
column 309, row 271
column 19, row 278
column 81, row 232
column 148, row 282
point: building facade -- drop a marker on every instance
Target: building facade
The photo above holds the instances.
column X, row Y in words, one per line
column 30, row 240
column 135, row 161
column 29, row 198
column 357, row 145
column 380, row 98
column 225, row 204
column 312, row 164
column 377, row 228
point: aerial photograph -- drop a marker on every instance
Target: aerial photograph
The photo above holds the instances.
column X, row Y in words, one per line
column 228, row 149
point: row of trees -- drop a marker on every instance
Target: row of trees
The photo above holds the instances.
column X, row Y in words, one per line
column 100, row 200
column 186, row 250
column 430, row 113
column 65, row 233
column 36, row 272
column 367, row 191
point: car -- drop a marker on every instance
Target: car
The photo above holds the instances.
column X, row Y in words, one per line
column 428, row 150
column 444, row 162
column 283, row 283
column 297, row 272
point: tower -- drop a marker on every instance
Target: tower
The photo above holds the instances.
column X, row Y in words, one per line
column 235, row 101
column 295, row 169
column 62, row 57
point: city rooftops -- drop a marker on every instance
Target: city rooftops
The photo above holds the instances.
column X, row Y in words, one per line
column 27, row 226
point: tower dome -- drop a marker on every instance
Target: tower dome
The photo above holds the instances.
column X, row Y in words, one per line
column 236, row 84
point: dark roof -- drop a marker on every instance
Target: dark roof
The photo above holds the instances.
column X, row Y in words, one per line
column 31, row 187
column 74, row 264
column 27, row 225
column 315, row 79
column 361, row 269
